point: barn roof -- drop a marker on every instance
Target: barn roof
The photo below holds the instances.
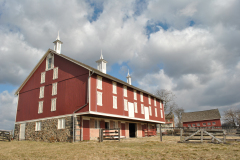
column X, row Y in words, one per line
column 201, row 115
column 84, row 66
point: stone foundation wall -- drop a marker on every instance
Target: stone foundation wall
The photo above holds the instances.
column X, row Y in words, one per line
column 49, row 131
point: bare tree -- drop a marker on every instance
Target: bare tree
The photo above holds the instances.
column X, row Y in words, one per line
column 178, row 112
column 168, row 100
column 231, row 117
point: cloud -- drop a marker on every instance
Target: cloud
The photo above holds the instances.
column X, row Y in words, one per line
column 8, row 107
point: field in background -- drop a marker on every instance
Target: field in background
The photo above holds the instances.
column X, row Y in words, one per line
column 134, row 148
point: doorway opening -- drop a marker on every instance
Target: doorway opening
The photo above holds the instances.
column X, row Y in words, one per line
column 106, row 125
column 132, row 130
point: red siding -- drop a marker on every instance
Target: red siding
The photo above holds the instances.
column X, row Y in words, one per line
column 107, row 100
column 71, row 91
column 123, row 129
column 217, row 121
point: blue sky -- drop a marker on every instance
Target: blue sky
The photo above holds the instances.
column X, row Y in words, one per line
column 183, row 46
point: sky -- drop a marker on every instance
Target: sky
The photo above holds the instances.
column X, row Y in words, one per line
column 189, row 47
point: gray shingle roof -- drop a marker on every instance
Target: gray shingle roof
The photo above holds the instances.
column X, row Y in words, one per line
column 201, row 115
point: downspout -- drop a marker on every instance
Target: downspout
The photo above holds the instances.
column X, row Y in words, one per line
column 81, row 107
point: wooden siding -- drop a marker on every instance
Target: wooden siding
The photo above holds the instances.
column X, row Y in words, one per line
column 71, row 91
column 217, row 121
column 107, row 100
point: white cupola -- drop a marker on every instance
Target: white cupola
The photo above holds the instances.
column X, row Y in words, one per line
column 57, row 44
column 129, row 78
column 101, row 64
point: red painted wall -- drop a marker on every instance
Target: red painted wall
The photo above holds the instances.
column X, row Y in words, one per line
column 217, row 121
column 107, row 100
column 71, row 91
column 86, row 130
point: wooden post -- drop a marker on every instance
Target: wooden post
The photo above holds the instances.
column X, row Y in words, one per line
column 201, row 135
column 181, row 132
column 160, row 132
column 119, row 134
column 224, row 136
column 100, row 135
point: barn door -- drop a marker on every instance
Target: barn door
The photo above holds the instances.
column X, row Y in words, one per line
column 123, row 129
column 22, row 131
column 143, row 132
column 86, row 130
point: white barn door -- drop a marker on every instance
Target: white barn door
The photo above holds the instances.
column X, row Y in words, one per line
column 146, row 112
column 22, row 131
column 130, row 109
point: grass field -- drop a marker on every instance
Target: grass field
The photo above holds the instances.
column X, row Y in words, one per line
column 134, row 148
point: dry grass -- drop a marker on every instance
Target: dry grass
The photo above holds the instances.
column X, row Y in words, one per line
column 135, row 148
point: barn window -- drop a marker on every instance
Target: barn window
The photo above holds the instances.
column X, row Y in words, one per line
column 115, row 102
column 40, row 107
column 43, row 77
column 125, row 91
column 99, row 82
column 150, row 110
column 114, row 87
column 149, row 99
column 194, row 125
column 213, row 123
column 209, row 123
column 155, row 102
column 161, row 113
column 204, row 124
column 53, row 104
column 155, row 112
column 54, row 88
column 135, row 94
column 38, row 126
column 189, row 125
column 198, row 124
column 49, row 62
column 61, row 123
column 136, row 109
column 41, row 94
column 125, row 105
column 141, row 96
column 142, row 109
column 99, row 98
column 160, row 104
column 55, row 73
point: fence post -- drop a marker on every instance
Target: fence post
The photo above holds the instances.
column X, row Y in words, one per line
column 100, row 135
column 160, row 132
column 181, row 132
column 118, row 134
column 224, row 136
column 201, row 135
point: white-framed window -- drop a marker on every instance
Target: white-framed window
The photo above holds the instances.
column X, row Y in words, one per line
column 38, row 126
column 213, row 123
column 141, row 96
column 149, row 99
column 99, row 82
column 142, row 108
column 49, row 62
column 189, row 125
column 204, row 124
column 156, row 112
column 114, row 84
column 135, row 107
column 115, row 102
column 99, row 98
column 41, row 94
column 125, row 91
column 209, row 123
column 54, row 88
column 194, row 125
column 55, row 73
column 125, row 105
column 53, row 104
column 40, row 107
column 97, row 124
column 43, row 77
column 160, row 104
column 198, row 124
column 135, row 94
column 150, row 110
column 61, row 123
column 161, row 113
column 155, row 102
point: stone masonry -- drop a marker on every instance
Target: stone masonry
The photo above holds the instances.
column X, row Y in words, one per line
column 49, row 131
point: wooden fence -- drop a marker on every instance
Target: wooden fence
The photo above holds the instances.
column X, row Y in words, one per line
column 202, row 134
column 149, row 132
column 109, row 134
column 5, row 135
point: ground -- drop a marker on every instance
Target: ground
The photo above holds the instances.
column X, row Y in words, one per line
column 133, row 148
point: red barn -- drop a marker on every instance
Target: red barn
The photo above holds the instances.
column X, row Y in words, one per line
column 64, row 100
column 207, row 118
